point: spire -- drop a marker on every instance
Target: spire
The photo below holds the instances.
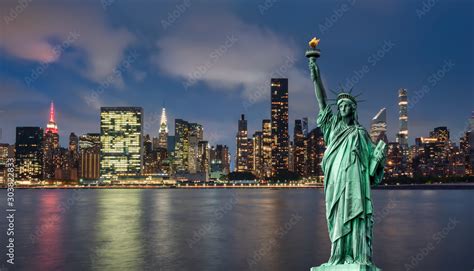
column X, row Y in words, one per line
column 163, row 123
column 51, row 126
column 51, row 112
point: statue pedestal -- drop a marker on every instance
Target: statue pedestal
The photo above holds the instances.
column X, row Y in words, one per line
column 346, row 267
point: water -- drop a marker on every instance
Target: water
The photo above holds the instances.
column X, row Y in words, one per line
column 225, row 229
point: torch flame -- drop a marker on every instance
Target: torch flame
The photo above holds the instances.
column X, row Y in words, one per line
column 314, row 42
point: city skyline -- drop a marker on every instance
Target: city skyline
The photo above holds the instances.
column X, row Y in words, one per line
column 152, row 59
column 124, row 126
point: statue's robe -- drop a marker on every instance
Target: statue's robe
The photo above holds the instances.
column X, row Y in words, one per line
column 347, row 188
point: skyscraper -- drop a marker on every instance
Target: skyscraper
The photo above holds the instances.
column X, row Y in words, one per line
column 29, row 154
column 89, row 152
column 291, row 157
column 121, row 137
column 181, row 151
column 257, row 154
column 150, row 158
column 4, row 149
column 279, row 125
column 187, row 137
column 315, row 150
column 402, row 136
column 378, row 127
column 204, row 157
column 51, row 153
column 394, row 160
column 163, row 134
column 73, row 158
column 304, row 124
column 242, row 155
column 51, row 126
column 299, row 149
column 267, row 147
column 196, row 134
column 467, row 151
column 219, row 157
column 470, row 142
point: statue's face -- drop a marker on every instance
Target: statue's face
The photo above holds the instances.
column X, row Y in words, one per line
column 347, row 108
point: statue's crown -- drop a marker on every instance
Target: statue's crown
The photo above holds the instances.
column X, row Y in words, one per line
column 345, row 95
column 342, row 94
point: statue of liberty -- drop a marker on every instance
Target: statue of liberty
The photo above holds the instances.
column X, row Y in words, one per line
column 351, row 164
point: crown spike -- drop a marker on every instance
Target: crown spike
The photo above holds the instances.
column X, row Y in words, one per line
column 334, row 92
column 341, row 87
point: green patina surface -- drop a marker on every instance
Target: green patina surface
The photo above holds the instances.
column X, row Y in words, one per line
column 351, row 164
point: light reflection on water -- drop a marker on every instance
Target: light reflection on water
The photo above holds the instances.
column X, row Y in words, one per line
column 118, row 231
column 233, row 229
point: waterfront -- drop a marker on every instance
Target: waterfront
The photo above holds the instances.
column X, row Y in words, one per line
column 229, row 229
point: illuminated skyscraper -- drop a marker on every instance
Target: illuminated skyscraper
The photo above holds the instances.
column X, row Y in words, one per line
column 204, row 157
column 257, row 154
column 467, row 150
column 181, row 151
column 470, row 141
column 315, row 150
column 51, row 153
column 3, row 153
column 163, row 134
column 151, row 156
column 4, row 150
column 267, row 147
column 279, row 116
column 378, row 127
column 291, row 157
column 187, row 137
column 441, row 134
column 402, row 136
column 52, row 126
column 242, row 155
column 121, row 137
column 219, row 157
column 393, row 167
column 299, row 149
column 196, row 134
column 29, row 154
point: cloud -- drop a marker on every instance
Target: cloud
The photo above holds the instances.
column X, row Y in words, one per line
column 226, row 53
column 40, row 32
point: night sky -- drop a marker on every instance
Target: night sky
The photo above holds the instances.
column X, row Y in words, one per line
column 210, row 61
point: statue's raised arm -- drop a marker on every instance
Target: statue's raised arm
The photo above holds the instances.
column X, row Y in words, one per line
column 319, row 90
column 318, row 84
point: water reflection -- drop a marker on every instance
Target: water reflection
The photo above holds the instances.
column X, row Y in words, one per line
column 118, row 231
column 49, row 232
column 152, row 230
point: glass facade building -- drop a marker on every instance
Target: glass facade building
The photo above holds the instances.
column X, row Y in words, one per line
column 121, row 138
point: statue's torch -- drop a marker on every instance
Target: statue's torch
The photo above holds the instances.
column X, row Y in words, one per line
column 312, row 53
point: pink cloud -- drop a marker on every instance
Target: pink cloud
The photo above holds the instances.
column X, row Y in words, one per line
column 28, row 36
column 35, row 51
